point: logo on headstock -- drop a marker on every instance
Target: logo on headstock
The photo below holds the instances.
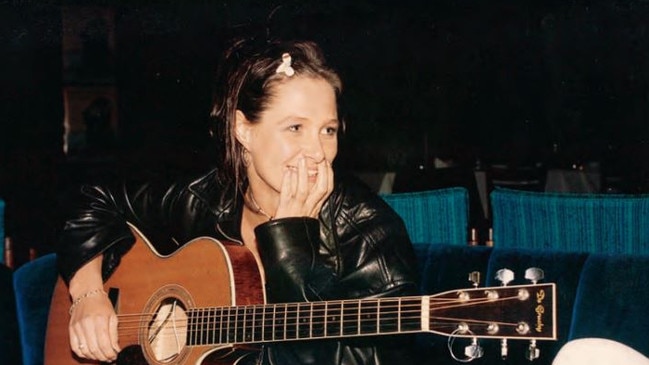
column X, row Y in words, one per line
column 540, row 310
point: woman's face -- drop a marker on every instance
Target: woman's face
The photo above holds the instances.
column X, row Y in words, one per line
column 301, row 121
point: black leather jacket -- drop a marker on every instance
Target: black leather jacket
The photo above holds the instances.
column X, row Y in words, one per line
column 357, row 248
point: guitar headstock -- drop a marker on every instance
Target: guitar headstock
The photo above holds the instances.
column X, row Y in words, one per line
column 519, row 312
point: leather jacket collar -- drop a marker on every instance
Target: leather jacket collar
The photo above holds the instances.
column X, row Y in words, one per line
column 222, row 200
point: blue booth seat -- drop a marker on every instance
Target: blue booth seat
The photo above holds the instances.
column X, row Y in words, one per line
column 34, row 285
column 438, row 216
column 612, row 300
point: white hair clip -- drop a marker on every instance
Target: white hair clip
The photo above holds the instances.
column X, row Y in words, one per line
column 285, row 67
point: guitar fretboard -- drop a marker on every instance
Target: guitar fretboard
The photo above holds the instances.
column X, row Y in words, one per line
column 310, row 320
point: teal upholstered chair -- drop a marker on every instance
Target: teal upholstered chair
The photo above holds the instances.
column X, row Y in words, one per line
column 34, row 284
column 606, row 223
column 434, row 216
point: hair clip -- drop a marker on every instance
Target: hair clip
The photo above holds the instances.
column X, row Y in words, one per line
column 285, row 67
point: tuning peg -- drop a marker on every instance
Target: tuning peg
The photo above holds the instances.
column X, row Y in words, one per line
column 474, row 277
column 534, row 274
column 505, row 276
column 532, row 353
column 473, row 351
column 504, row 350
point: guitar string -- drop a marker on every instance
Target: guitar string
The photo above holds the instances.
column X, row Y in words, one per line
column 341, row 325
column 245, row 310
column 336, row 305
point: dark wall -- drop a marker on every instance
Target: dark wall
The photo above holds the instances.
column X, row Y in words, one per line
column 494, row 80
column 31, row 128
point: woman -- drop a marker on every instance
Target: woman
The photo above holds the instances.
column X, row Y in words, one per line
column 316, row 235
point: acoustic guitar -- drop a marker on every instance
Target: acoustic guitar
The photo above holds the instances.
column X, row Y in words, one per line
column 205, row 304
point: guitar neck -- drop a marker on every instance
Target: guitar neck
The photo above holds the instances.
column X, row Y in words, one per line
column 303, row 321
column 523, row 312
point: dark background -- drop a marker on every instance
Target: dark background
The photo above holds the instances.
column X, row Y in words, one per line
column 543, row 83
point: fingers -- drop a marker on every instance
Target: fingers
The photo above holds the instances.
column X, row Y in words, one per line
column 321, row 189
column 93, row 332
column 300, row 196
column 112, row 327
column 302, row 193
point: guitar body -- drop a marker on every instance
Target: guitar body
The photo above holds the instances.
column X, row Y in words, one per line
column 204, row 272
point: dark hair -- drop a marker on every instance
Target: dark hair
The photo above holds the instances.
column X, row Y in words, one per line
column 244, row 82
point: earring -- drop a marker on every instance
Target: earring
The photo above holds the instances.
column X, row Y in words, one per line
column 245, row 156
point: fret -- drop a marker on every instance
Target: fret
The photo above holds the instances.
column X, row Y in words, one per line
column 358, row 318
column 258, row 323
column 333, row 325
column 399, row 316
column 350, row 317
column 304, row 316
column 283, row 336
column 311, row 320
column 248, row 324
column 228, row 327
column 378, row 317
column 369, row 316
column 389, row 321
column 411, row 314
column 290, row 327
column 205, row 324
column 318, row 320
column 201, row 326
column 238, row 330
column 211, row 318
column 222, row 330
column 268, row 323
column 218, row 323
column 277, row 322
column 191, row 327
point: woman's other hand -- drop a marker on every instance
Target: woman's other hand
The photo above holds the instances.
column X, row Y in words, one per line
column 305, row 189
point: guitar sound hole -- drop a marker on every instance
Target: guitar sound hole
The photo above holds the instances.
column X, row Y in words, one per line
column 167, row 331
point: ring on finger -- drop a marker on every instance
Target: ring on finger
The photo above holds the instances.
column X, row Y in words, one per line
column 81, row 346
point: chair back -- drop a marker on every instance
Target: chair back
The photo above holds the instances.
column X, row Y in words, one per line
column 34, row 284
column 433, row 216
column 605, row 223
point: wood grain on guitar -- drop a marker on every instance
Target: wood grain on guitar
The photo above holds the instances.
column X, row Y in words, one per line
column 204, row 304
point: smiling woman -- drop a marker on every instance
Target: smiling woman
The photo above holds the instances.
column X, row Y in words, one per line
column 303, row 135
column 313, row 234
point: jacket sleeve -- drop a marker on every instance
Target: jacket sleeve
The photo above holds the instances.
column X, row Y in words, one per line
column 375, row 259
column 100, row 223
column 97, row 226
column 289, row 251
